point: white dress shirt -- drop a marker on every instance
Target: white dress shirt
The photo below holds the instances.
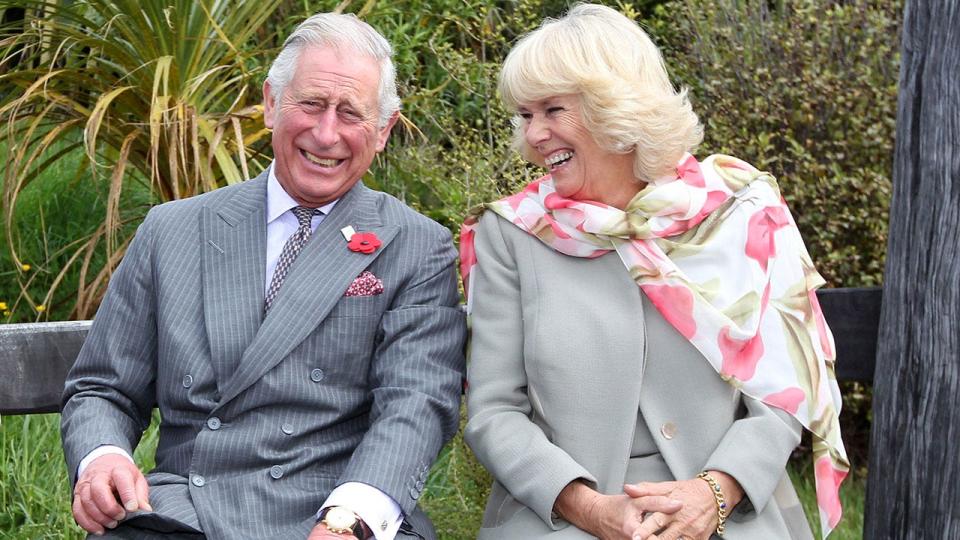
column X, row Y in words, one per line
column 377, row 509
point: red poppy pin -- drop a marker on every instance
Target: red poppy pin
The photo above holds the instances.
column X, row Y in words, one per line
column 364, row 242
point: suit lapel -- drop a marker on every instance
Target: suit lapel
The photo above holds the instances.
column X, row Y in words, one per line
column 316, row 281
column 234, row 250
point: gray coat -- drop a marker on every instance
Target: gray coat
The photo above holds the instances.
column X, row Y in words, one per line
column 558, row 373
column 263, row 416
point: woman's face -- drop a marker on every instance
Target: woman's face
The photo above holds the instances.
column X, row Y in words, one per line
column 582, row 170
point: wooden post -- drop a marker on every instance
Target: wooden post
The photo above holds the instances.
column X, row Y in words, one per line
column 913, row 489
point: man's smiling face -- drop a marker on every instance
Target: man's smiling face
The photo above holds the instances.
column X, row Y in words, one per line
column 325, row 132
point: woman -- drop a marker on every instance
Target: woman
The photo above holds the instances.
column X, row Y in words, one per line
column 647, row 345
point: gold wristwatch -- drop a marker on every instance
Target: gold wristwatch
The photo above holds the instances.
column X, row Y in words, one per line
column 343, row 521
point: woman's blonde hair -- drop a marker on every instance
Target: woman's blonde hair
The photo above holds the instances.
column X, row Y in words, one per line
column 628, row 103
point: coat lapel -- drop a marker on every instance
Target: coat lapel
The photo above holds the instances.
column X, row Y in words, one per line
column 316, row 281
column 234, row 250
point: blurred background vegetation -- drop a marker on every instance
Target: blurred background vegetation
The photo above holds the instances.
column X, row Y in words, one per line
column 110, row 106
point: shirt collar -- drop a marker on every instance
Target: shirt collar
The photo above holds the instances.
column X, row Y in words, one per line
column 279, row 201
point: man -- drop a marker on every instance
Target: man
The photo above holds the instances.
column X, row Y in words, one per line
column 299, row 333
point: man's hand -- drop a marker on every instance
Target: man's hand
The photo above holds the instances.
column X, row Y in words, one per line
column 109, row 487
column 320, row 532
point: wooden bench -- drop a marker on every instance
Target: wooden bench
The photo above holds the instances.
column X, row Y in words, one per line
column 35, row 357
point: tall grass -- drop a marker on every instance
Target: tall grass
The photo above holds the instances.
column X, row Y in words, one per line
column 59, row 207
column 34, row 487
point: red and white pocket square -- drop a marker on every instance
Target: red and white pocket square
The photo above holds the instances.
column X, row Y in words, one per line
column 366, row 284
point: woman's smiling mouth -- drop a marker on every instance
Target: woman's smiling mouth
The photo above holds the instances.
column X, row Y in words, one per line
column 557, row 160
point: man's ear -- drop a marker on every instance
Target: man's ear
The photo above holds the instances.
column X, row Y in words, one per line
column 384, row 132
column 269, row 106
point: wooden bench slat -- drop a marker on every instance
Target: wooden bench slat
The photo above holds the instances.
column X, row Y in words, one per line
column 34, row 361
column 854, row 317
column 35, row 357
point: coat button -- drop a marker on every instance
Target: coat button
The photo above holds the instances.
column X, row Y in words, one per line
column 187, row 380
column 276, row 472
column 414, row 494
column 213, row 423
column 198, row 480
column 668, row 430
column 287, row 428
column 316, row 375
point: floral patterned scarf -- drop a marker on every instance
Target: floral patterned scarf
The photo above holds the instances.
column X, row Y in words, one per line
column 752, row 313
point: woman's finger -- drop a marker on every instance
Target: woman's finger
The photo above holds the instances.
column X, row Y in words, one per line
column 656, row 503
column 644, row 489
column 652, row 525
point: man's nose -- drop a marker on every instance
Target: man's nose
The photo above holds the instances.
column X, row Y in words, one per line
column 327, row 129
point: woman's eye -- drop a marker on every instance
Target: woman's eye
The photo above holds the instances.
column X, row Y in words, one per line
column 554, row 110
column 525, row 115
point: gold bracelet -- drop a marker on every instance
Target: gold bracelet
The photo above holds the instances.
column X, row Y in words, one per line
column 718, row 496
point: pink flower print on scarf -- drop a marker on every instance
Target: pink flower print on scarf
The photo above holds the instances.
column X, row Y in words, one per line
column 677, row 308
column 828, row 481
column 761, row 240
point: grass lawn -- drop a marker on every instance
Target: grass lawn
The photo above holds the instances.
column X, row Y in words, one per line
column 35, row 496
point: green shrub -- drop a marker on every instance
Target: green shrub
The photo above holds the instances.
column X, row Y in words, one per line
column 806, row 90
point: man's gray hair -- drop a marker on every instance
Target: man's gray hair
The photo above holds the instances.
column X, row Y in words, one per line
column 340, row 31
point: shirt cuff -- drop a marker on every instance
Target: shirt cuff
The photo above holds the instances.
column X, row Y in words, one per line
column 377, row 509
column 101, row 451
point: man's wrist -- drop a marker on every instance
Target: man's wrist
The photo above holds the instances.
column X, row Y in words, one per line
column 98, row 452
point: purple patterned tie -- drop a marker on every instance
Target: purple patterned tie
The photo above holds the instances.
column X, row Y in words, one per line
column 290, row 251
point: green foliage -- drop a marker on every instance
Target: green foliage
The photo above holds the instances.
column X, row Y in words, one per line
column 806, row 90
column 457, row 490
column 35, row 490
column 152, row 92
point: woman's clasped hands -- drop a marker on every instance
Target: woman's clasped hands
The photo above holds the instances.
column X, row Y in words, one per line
column 680, row 510
column 695, row 520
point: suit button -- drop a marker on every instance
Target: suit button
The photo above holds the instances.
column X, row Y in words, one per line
column 414, row 494
column 316, row 375
column 287, row 428
column 198, row 480
column 213, row 423
column 668, row 430
column 276, row 472
column 187, row 380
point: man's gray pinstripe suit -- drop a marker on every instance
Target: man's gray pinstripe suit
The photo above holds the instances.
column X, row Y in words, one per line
column 263, row 416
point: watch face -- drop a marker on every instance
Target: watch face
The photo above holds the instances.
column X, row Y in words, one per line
column 339, row 518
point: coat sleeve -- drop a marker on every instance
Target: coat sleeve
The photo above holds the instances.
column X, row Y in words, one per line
column 755, row 451
column 499, row 427
column 109, row 391
column 416, row 375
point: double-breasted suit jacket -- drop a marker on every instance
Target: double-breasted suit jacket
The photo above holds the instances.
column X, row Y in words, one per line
column 572, row 370
column 263, row 415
